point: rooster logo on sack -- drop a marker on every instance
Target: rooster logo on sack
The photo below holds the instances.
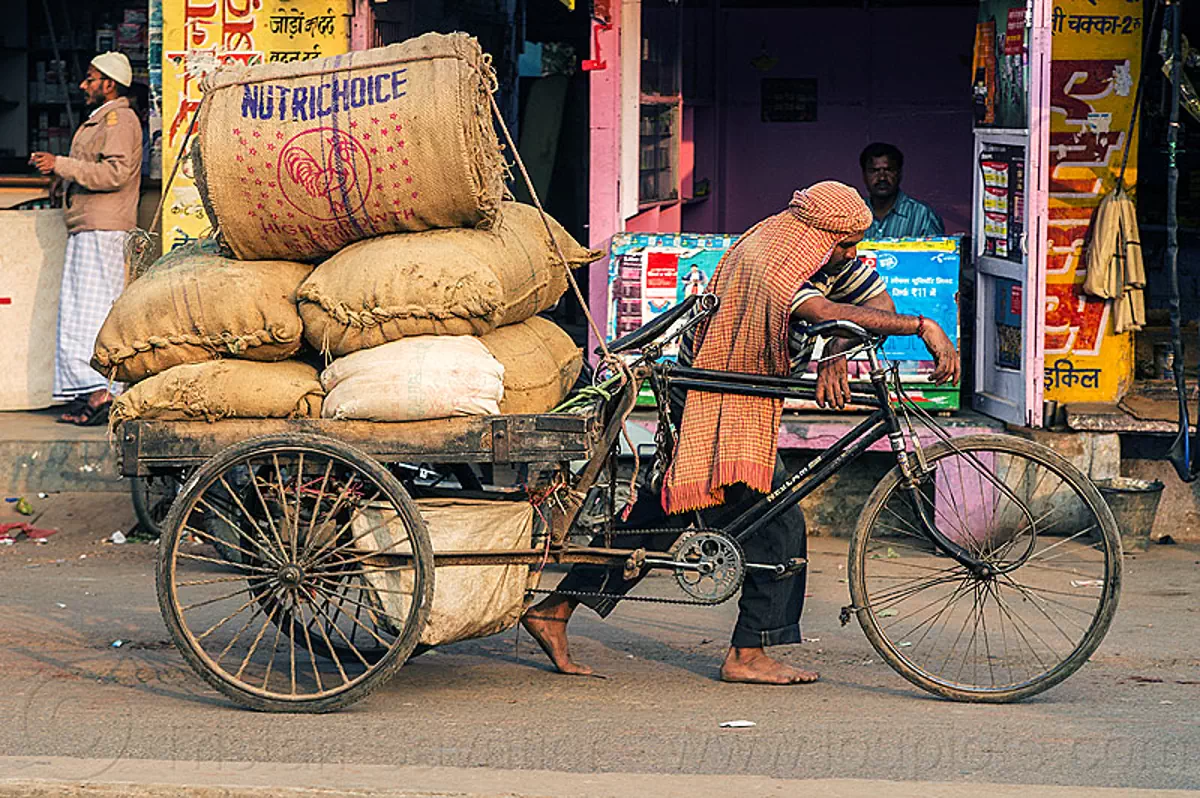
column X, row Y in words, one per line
column 325, row 173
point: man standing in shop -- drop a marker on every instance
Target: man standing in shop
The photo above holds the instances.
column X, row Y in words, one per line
column 897, row 215
column 100, row 184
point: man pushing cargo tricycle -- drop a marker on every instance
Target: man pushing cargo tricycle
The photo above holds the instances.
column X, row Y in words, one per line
column 796, row 268
column 326, row 526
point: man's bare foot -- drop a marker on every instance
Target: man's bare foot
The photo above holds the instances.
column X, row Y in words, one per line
column 753, row 666
column 547, row 624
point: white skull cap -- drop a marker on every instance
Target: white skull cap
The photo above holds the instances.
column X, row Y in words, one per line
column 114, row 65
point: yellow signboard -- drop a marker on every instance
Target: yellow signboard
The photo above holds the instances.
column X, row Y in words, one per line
column 1096, row 57
column 199, row 36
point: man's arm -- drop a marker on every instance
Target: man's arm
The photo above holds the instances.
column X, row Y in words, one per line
column 877, row 315
column 833, row 376
column 872, row 315
column 120, row 159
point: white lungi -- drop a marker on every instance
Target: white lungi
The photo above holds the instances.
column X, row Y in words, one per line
column 93, row 278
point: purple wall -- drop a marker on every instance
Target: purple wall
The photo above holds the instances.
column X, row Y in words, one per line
column 898, row 75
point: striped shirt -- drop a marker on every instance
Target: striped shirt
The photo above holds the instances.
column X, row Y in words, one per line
column 908, row 218
column 852, row 284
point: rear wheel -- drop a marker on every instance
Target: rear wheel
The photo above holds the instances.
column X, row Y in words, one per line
column 1053, row 547
column 152, row 497
column 332, row 581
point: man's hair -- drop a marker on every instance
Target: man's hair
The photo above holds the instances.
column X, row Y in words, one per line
column 879, row 149
column 122, row 91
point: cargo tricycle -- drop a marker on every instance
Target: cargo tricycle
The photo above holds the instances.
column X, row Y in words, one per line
column 296, row 571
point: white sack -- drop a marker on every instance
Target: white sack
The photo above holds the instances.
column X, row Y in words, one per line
column 469, row 601
column 425, row 377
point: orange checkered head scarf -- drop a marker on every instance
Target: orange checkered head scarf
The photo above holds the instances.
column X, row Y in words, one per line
column 726, row 439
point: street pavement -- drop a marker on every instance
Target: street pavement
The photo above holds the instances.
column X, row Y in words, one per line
column 488, row 717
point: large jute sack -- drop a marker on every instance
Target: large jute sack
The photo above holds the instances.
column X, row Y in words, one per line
column 441, row 282
column 298, row 160
column 193, row 305
column 541, row 364
column 224, row 389
column 429, row 376
column 469, row 601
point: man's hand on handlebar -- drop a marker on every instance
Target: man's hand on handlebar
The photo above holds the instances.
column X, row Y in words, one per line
column 946, row 366
column 833, row 383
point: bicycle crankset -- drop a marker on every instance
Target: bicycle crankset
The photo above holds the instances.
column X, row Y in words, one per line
column 709, row 566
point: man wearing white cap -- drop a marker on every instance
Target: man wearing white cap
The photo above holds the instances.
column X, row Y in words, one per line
column 101, row 184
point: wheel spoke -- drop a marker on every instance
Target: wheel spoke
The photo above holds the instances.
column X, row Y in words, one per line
column 226, row 597
column 223, row 563
column 347, row 640
column 356, row 621
column 333, row 655
column 316, row 511
column 312, row 655
column 265, row 553
column 258, row 639
column 332, row 516
column 323, row 555
column 254, row 481
column 378, row 610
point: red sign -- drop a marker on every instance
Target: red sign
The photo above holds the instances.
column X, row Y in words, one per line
column 662, row 270
column 1014, row 36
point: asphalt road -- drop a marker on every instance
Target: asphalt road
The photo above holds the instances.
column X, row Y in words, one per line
column 1129, row 719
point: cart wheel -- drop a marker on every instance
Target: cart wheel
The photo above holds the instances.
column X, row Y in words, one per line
column 333, row 581
column 152, row 497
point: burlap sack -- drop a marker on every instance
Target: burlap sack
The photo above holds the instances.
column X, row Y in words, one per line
column 298, row 160
column 469, row 601
column 424, row 377
column 541, row 364
column 193, row 305
column 224, row 389
column 441, row 282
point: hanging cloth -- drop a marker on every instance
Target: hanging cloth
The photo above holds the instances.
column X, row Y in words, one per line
column 1114, row 261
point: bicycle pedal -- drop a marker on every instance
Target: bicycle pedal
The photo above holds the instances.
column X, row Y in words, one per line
column 791, row 567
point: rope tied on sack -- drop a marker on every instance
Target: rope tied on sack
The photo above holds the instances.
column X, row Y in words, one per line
column 608, row 360
column 139, row 242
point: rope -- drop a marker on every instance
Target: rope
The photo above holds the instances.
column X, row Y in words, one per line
column 139, row 240
column 608, row 358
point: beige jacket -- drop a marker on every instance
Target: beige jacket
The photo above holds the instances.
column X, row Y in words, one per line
column 1114, row 261
column 103, row 174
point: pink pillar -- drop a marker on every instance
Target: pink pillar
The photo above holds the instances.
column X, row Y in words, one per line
column 604, row 218
column 362, row 27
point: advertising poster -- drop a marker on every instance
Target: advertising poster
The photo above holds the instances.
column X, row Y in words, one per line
column 1003, row 170
column 1096, row 54
column 649, row 273
column 1001, row 65
column 198, row 37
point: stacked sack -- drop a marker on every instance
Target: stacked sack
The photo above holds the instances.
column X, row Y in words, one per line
column 383, row 167
column 442, row 323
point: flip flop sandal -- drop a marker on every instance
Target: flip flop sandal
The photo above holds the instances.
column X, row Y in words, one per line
column 72, row 408
column 94, row 416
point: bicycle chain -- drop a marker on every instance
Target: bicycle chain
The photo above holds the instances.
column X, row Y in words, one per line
column 679, row 532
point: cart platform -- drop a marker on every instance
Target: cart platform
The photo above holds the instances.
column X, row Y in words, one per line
column 145, row 446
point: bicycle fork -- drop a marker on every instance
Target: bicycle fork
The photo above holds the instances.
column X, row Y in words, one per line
column 915, row 475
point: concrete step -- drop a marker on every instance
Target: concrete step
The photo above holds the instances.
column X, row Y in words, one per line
column 39, row 455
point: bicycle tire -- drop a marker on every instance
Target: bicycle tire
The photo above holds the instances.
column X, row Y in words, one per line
column 893, row 651
column 145, row 508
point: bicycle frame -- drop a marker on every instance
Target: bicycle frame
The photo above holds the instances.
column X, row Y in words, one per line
column 883, row 423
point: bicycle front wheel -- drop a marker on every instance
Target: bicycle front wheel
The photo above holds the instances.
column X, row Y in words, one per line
column 1050, row 539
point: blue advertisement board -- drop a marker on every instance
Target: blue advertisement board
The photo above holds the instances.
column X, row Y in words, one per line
column 649, row 273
